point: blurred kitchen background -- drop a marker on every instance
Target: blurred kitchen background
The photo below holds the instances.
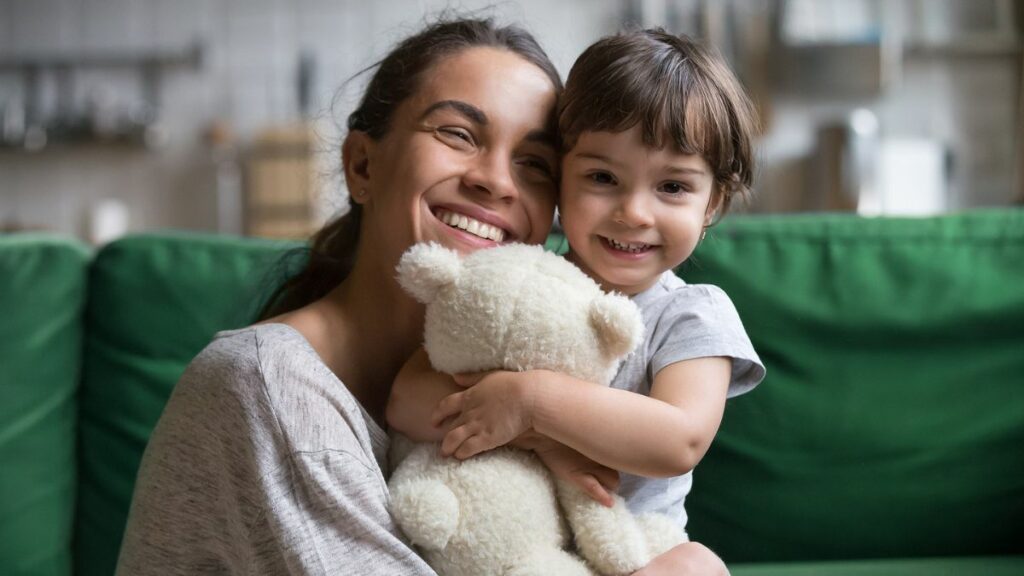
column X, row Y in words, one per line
column 119, row 116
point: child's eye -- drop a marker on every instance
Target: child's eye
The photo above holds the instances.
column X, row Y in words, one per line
column 602, row 178
column 674, row 188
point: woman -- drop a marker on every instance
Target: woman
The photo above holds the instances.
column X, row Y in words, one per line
column 269, row 456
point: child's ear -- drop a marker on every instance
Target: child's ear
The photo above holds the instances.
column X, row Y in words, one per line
column 427, row 268
column 356, row 152
column 714, row 204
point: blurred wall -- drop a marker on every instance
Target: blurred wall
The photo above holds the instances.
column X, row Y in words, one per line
column 247, row 80
column 957, row 85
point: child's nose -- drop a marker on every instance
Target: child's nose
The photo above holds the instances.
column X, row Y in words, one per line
column 635, row 210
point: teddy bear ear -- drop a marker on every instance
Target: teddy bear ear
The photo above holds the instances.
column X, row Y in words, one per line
column 618, row 324
column 426, row 268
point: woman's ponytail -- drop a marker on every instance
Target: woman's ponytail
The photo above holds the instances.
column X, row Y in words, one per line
column 330, row 256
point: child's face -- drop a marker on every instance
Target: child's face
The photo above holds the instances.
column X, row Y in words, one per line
column 630, row 211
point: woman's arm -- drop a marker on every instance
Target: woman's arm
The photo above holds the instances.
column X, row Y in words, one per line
column 663, row 435
column 415, row 393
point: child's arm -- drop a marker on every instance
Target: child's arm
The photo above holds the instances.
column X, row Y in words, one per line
column 663, row 435
column 418, row 389
column 415, row 393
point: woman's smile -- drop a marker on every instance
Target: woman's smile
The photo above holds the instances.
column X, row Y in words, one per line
column 474, row 222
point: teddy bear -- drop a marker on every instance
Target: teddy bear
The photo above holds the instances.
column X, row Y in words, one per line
column 516, row 307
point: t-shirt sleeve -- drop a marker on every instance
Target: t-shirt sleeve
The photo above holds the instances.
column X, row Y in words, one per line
column 701, row 321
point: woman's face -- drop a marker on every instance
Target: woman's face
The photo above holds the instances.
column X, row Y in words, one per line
column 469, row 160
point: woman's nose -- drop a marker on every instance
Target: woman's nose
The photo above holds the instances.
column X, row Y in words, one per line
column 635, row 210
column 491, row 172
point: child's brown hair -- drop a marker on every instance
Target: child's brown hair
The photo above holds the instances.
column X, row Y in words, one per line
column 673, row 87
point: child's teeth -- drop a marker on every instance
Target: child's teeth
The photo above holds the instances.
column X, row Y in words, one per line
column 474, row 227
column 627, row 247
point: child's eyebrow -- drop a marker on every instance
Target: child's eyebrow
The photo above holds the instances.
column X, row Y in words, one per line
column 463, row 108
column 669, row 168
column 595, row 156
column 685, row 170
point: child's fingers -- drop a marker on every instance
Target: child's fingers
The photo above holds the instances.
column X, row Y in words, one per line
column 454, row 439
column 471, row 447
column 595, row 490
column 447, row 407
column 608, row 478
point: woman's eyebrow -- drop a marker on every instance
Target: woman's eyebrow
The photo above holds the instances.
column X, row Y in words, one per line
column 545, row 137
column 468, row 110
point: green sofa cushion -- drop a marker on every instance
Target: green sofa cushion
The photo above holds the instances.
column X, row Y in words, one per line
column 42, row 297
column 970, row 566
column 891, row 422
column 155, row 301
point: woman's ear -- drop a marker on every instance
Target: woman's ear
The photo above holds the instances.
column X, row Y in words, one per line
column 355, row 159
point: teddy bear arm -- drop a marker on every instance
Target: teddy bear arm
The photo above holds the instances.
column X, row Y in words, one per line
column 426, row 510
column 421, row 503
column 610, row 539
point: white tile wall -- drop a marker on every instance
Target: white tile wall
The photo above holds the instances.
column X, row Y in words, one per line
column 247, row 79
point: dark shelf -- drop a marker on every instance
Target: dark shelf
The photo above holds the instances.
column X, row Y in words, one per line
column 190, row 57
column 69, row 127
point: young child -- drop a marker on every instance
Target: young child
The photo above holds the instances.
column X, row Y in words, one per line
column 657, row 143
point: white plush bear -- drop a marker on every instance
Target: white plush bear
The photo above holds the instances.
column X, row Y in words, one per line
column 516, row 307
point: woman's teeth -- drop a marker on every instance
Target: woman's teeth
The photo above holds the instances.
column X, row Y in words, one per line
column 628, row 247
column 474, row 227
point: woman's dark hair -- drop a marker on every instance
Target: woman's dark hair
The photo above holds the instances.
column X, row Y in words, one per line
column 331, row 251
column 677, row 89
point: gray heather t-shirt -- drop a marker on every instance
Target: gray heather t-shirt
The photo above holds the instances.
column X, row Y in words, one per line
column 263, row 463
column 682, row 321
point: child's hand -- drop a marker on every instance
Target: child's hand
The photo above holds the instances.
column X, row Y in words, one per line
column 566, row 464
column 491, row 413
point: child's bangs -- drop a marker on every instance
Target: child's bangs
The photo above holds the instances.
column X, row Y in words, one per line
column 671, row 107
column 686, row 117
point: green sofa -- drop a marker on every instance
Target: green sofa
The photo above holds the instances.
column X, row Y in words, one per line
column 887, row 438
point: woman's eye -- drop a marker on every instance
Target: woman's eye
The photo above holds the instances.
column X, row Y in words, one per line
column 601, row 178
column 540, row 165
column 452, row 133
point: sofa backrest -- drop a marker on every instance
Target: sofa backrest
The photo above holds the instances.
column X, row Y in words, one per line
column 42, row 296
column 154, row 302
column 891, row 421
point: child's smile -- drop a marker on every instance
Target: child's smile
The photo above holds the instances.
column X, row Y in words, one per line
column 627, row 249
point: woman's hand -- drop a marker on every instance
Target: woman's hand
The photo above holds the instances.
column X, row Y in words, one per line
column 566, row 464
column 494, row 410
column 687, row 559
